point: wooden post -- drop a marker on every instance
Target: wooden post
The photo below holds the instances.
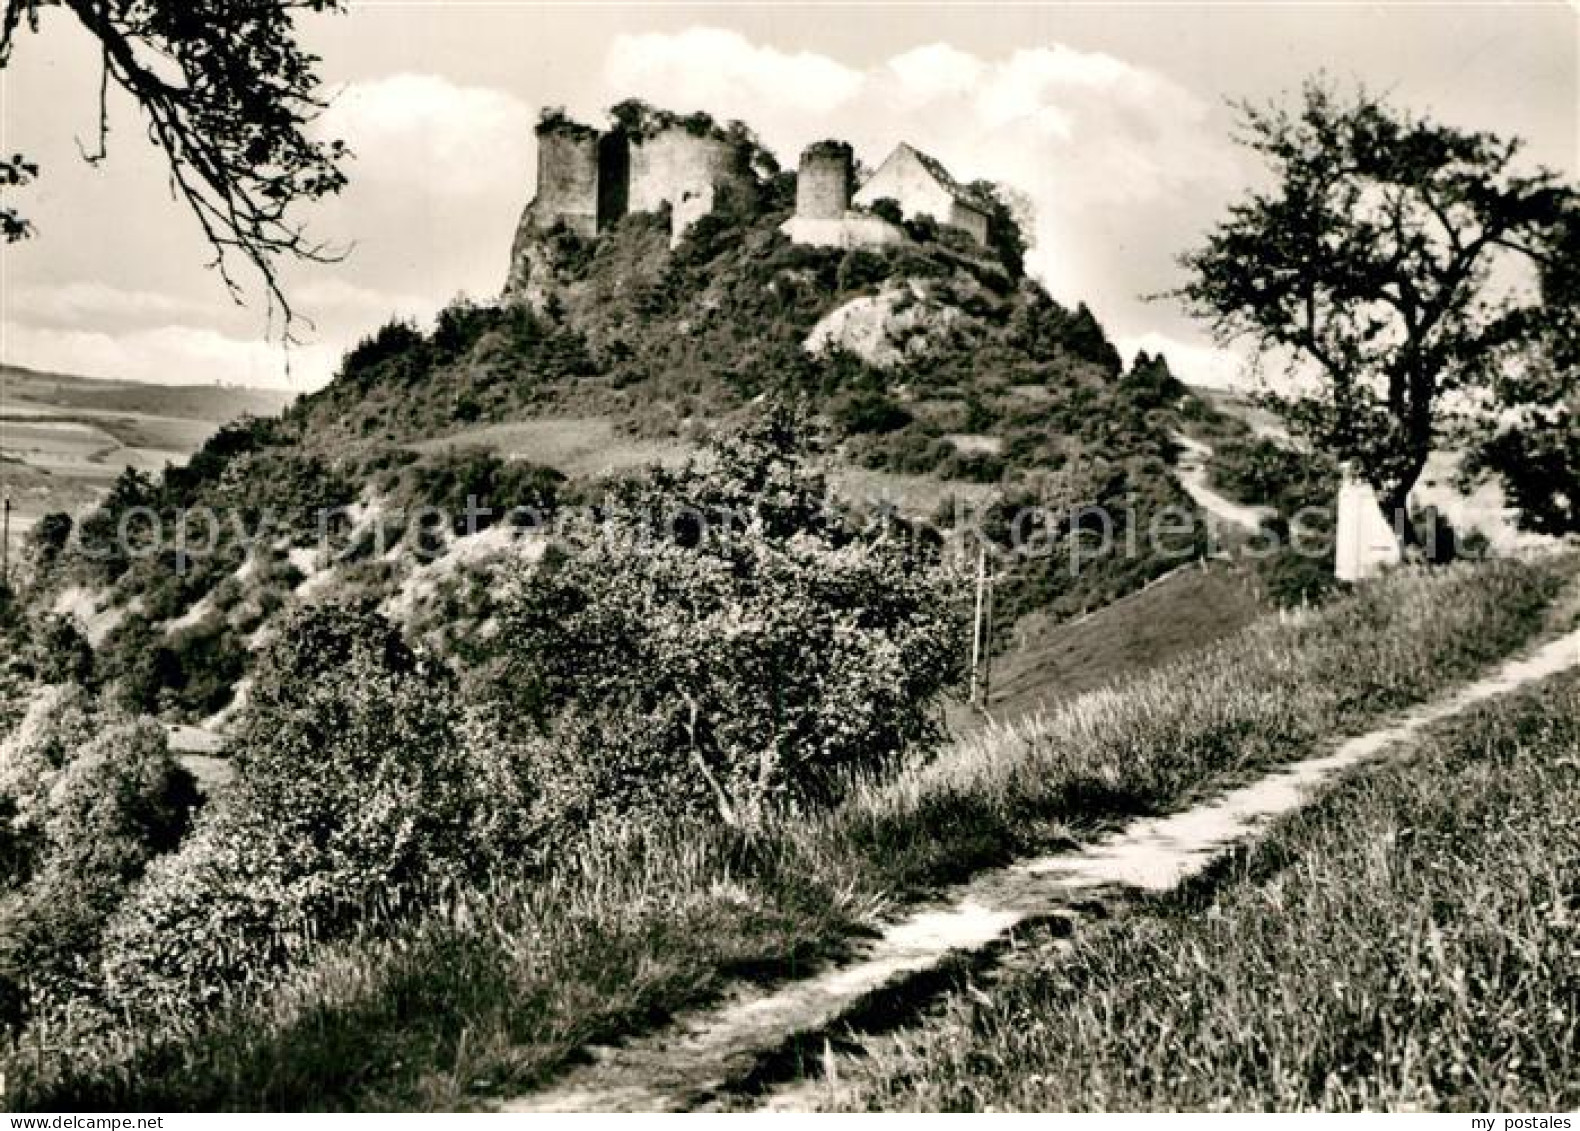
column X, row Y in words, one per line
column 976, row 622
column 987, row 644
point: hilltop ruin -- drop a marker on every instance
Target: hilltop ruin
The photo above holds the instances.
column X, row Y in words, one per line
column 652, row 160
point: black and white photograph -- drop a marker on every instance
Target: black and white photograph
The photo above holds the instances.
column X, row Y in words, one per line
column 820, row 557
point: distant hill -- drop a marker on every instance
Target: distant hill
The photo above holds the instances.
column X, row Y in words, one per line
column 64, row 437
column 214, row 403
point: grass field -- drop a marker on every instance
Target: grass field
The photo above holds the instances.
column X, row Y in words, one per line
column 64, row 439
column 495, row 993
column 592, row 446
column 1408, row 942
column 580, row 447
column 1054, row 662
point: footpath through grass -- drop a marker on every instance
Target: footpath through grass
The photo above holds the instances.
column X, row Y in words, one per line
column 1411, row 941
column 495, row 993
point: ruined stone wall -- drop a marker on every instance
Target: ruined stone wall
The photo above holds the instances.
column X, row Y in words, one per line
column 851, row 230
column 568, row 180
column 822, row 186
column 682, row 170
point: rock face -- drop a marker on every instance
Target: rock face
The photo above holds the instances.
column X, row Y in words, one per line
column 904, row 320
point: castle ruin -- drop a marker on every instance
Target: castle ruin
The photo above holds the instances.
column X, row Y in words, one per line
column 652, row 160
column 589, row 179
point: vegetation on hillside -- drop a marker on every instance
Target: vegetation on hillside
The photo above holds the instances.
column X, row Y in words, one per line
column 1012, row 390
column 494, row 989
column 793, row 647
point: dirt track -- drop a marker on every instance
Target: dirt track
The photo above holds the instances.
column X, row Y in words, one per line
column 700, row 1056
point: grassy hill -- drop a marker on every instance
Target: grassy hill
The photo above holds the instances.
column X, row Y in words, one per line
column 943, row 378
column 496, row 992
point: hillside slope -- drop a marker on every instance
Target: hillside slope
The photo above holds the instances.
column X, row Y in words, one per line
column 64, row 437
column 944, row 379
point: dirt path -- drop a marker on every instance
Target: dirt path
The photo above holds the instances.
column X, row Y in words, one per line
column 1193, row 476
column 700, row 1055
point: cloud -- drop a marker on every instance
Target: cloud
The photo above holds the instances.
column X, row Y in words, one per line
column 420, row 130
column 1122, row 165
column 936, row 70
column 1191, row 362
column 336, row 301
column 171, row 355
column 94, row 302
column 713, row 69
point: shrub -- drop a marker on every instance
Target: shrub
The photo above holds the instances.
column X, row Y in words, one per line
column 353, row 799
column 871, row 412
column 723, row 644
column 119, row 801
column 1261, row 471
column 57, row 722
column 887, row 208
column 61, row 653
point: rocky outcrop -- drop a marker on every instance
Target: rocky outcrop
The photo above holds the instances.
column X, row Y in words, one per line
column 903, row 321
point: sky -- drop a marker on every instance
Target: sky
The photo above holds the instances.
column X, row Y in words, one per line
column 1115, row 120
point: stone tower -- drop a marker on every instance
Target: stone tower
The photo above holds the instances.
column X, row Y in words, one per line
column 568, row 176
column 823, row 182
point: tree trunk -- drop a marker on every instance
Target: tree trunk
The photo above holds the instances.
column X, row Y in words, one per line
column 1395, row 500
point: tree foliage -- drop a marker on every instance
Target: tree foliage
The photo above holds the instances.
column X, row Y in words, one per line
column 229, row 95
column 723, row 642
column 353, row 800
column 88, row 798
column 1390, row 257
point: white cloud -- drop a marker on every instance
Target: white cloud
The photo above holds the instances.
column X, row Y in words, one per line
column 1191, row 362
column 936, row 70
column 72, row 303
column 340, row 302
column 713, row 69
column 172, row 355
column 418, row 131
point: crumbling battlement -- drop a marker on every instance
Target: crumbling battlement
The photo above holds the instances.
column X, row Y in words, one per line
column 588, row 179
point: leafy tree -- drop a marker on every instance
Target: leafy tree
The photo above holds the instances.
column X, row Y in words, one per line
column 61, row 653
column 229, row 95
column 1009, row 214
column 1533, row 445
column 1387, row 258
column 722, row 643
column 51, row 536
column 118, row 802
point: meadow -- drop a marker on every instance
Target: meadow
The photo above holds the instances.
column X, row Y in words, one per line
column 495, row 991
column 1405, row 943
column 64, row 438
